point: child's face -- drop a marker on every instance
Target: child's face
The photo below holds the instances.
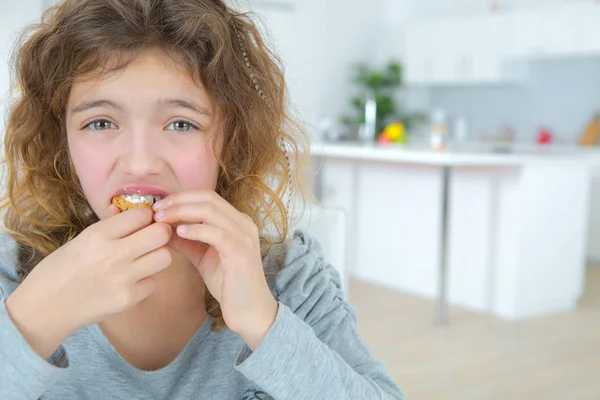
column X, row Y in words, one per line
column 148, row 124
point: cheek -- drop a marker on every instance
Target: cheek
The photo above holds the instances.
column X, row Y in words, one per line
column 198, row 170
column 91, row 167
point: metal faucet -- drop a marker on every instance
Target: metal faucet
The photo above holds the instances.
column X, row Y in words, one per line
column 369, row 129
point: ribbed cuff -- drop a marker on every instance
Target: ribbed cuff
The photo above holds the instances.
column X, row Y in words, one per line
column 25, row 373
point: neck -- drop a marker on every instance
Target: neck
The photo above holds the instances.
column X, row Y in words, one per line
column 152, row 333
column 180, row 285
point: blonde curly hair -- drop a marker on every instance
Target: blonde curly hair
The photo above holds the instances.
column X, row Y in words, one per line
column 44, row 206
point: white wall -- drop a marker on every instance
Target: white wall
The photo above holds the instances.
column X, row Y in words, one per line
column 434, row 8
column 13, row 16
column 560, row 94
column 318, row 41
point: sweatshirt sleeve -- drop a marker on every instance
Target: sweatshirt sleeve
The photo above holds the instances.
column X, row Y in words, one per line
column 313, row 350
column 23, row 373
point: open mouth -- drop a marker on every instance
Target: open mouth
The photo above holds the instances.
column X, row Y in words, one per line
column 141, row 198
column 138, row 195
column 126, row 202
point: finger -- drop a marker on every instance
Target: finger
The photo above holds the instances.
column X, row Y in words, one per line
column 146, row 239
column 248, row 221
column 207, row 213
column 195, row 196
column 111, row 211
column 209, row 234
column 144, row 288
column 125, row 223
column 151, row 263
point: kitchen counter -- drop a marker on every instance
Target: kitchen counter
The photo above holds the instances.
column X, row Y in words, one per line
column 501, row 230
column 463, row 154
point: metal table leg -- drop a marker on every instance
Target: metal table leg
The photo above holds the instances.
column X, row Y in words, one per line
column 442, row 311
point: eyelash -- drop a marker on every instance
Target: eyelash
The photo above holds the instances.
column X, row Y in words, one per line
column 191, row 125
column 92, row 122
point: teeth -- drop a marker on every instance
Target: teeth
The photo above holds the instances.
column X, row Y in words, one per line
column 137, row 198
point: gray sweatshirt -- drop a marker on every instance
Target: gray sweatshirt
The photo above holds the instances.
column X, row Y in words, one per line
column 313, row 350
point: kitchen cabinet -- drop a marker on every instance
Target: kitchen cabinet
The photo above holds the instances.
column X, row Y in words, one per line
column 477, row 49
column 518, row 221
column 543, row 34
column 588, row 40
column 462, row 50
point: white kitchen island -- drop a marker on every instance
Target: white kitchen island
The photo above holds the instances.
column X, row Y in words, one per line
column 517, row 221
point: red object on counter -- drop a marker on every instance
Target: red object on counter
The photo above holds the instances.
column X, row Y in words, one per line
column 384, row 139
column 544, row 136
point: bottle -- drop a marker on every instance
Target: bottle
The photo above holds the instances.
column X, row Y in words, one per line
column 439, row 131
column 461, row 129
column 368, row 131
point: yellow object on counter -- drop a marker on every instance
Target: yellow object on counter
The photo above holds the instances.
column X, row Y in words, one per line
column 592, row 132
column 395, row 132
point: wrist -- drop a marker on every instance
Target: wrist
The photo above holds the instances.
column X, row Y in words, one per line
column 255, row 332
column 36, row 324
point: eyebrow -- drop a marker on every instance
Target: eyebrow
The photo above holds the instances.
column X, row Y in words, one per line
column 88, row 105
column 173, row 103
column 177, row 103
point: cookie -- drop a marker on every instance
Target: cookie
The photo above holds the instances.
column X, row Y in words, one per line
column 124, row 204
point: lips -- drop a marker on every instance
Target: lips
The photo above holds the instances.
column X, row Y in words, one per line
column 154, row 191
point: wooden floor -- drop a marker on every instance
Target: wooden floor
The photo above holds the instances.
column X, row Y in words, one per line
column 480, row 357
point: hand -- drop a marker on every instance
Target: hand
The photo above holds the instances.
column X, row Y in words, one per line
column 223, row 244
column 105, row 270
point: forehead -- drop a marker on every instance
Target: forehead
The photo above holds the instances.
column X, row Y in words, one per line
column 149, row 73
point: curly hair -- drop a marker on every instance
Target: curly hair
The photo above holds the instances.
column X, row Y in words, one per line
column 44, row 206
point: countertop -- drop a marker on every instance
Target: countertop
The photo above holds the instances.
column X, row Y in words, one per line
column 463, row 154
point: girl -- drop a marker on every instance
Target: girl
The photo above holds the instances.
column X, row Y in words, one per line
column 181, row 101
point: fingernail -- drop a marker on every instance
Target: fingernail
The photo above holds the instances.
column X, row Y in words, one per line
column 158, row 205
column 159, row 215
column 181, row 229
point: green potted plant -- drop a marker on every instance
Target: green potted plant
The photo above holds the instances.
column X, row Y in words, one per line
column 382, row 85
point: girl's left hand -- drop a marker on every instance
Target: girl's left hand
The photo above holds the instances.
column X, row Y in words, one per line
column 223, row 244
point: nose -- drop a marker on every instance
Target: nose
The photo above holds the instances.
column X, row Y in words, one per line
column 140, row 154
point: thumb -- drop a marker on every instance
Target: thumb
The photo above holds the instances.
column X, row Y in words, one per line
column 144, row 288
column 190, row 249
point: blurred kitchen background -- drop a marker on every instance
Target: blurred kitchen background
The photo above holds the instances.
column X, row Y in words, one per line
column 454, row 152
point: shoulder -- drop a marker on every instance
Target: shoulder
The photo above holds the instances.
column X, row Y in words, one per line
column 9, row 261
column 305, row 281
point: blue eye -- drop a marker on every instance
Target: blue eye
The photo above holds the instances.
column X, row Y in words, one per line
column 100, row 125
column 182, row 126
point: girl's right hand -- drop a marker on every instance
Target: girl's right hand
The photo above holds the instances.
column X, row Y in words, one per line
column 105, row 270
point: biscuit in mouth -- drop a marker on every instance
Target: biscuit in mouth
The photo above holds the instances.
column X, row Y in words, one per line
column 126, row 202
